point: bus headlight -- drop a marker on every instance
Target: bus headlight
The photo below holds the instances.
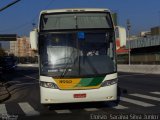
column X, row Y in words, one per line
column 48, row 85
column 109, row 82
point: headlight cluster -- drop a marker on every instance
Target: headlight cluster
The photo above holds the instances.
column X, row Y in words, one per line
column 48, row 85
column 109, row 82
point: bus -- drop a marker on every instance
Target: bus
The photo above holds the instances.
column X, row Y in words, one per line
column 77, row 55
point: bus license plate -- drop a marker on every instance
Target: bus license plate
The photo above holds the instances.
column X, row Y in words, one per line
column 79, row 95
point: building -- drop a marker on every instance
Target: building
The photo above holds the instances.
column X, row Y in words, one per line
column 145, row 33
column 14, row 48
column 155, row 31
column 21, row 47
column 4, row 45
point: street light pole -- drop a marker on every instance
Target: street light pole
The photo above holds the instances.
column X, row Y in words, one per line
column 129, row 47
column 159, row 18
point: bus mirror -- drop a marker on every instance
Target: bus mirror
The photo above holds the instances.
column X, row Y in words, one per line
column 121, row 35
column 34, row 39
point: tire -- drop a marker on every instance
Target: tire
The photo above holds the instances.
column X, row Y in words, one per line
column 48, row 106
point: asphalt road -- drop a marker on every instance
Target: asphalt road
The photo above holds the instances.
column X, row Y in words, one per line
column 140, row 97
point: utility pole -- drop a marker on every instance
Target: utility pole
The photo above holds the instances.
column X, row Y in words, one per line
column 159, row 18
column 9, row 5
column 129, row 47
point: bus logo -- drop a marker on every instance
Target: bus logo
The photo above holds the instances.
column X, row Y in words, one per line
column 65, row 81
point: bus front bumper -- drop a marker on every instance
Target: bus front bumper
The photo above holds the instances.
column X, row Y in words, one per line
column 51, row 96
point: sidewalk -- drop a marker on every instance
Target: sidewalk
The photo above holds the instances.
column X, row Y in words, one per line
column 4, row 94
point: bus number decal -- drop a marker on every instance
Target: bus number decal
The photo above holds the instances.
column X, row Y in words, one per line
column 65, row 81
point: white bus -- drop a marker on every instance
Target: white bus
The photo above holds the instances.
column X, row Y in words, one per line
column 77, row 55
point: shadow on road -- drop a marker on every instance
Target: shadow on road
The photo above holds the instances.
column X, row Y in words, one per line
column 74, row 106
column 17, row 74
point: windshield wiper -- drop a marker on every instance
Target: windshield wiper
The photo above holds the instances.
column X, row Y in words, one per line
column 65, row 70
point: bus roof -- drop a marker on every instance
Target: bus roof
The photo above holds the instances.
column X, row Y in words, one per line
column 75, row 10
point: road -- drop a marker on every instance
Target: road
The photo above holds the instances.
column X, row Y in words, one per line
column 140, row 95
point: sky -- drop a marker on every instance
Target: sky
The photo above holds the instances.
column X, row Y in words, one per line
column 18, row 19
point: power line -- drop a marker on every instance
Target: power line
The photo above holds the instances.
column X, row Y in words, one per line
column 9, row 5
column 31, row 22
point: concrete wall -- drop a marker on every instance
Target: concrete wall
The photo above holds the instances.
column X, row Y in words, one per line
column 148, row 69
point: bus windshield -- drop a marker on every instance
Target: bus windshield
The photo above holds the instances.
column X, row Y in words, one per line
column 75, row 21
column 65, row 55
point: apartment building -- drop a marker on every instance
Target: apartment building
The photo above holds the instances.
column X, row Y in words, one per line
column 21, row 47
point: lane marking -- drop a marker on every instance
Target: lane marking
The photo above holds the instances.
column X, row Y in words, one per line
column 146, row 97
column 30, row 77
column 27, row 83
column 121, row 107
column 20, row 83
column 136, row 102
column 3, row 109
column 28, row 109
column 91, row 109
column 12, row 82
column 157, row 93
column 62, row 111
